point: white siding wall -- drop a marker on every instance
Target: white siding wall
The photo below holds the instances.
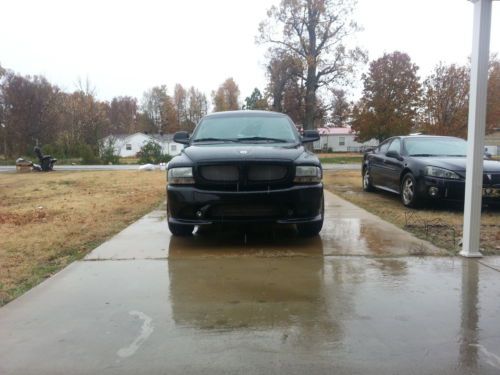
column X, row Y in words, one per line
column 135, row 142
column 493, row 150
column 342, row 143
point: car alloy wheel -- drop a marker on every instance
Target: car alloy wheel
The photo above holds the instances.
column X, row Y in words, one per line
column 367, row 184
column 409, row 191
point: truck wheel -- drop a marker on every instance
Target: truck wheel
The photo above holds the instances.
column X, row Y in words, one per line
column 310, row 229
column 181, row 230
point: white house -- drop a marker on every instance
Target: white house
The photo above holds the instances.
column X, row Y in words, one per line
column 341, row 140
column 492, row 142
column 128, row 145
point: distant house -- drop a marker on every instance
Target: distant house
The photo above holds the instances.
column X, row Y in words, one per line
column 128, row 145
column 341, row 140
column 492, row 142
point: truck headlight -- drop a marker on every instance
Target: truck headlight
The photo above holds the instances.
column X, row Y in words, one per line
column 182, row 175
column 441, row 173
column 307, row 174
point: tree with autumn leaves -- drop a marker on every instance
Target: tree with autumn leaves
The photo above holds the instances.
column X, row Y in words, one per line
column 394, row 102
column 391, row 98
column 71, row 124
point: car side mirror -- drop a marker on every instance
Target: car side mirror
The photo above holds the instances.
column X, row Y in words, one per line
column 393, row 154
column 181, row 137
column 310, row 136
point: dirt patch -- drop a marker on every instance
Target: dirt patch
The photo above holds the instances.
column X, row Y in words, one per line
column 440, row 223
column 47, row 220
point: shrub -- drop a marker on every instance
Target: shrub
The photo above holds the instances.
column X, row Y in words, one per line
column 152, row 153
column 108, row 153
column 88, row 155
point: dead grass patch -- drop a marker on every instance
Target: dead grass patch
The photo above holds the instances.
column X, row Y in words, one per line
column 441, row 224
column 47, row 220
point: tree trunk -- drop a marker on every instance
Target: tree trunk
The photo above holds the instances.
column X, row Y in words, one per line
column 311, row 79
column 310, row 100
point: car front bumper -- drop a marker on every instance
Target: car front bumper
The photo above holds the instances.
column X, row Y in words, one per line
column 294, row 205
column 453, row 190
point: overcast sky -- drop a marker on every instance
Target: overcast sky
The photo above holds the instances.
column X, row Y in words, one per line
column 125, row 47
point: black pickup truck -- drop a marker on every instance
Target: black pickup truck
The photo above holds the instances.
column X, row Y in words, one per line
column 245, row 167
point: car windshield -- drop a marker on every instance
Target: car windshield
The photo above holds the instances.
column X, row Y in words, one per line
column 435, row 146
column 246, row 129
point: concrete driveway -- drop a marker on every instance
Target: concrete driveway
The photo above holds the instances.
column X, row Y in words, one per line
column 260, row 301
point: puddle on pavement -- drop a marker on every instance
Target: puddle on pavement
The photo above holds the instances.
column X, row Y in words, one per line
column 365, row 308
column 340, row 236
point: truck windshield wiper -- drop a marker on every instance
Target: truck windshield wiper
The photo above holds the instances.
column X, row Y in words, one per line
column 214, row 140
column 423, row 155
column 278, row 140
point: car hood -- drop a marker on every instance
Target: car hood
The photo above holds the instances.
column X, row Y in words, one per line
column 241, row 152
column 458, row 164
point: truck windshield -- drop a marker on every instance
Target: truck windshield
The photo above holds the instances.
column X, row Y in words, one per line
column 246, row 129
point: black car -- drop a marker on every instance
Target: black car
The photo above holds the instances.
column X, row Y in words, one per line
column 422, row 168
column 245, row 167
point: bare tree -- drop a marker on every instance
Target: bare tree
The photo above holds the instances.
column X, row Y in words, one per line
column 180, row 104
column 197, row 107
column 123, row 115
column 159, row 108
column 314, row 31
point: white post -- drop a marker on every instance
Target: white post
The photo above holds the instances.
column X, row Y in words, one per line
column 476, row 128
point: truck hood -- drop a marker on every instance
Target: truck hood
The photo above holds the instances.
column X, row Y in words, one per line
column 242, row 152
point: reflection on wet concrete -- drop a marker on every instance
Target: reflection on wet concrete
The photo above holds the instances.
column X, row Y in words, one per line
column 259, row 300
column 348, row 230
column 270, row 241
column 468, row 355
column 290, row 315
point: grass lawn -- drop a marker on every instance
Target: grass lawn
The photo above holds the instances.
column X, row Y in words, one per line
column 129, row 160
column 48, row 220
column 441, row 224
column 340, row 157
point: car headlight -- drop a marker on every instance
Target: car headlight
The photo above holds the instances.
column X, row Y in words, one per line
column 182, row 175
column 307, row 174
column 441, row 173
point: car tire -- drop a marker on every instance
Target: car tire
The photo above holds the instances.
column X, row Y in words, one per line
column 181, row 230
column 367, row 180
column 409, row 194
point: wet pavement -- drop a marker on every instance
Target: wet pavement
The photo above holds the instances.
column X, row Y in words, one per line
column 260, row 301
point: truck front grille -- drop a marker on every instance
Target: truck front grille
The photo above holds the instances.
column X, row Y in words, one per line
column 239, row 177
column 220, row 173
column 267, row 173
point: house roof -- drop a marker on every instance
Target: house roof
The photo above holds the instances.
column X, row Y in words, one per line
column 162, row 137
column 335, row 131
column 156, row 137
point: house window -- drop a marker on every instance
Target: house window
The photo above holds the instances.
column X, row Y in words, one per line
column 341, row 141
column 128, row 146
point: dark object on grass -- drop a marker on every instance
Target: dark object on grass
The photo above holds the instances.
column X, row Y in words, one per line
column 46, row 161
